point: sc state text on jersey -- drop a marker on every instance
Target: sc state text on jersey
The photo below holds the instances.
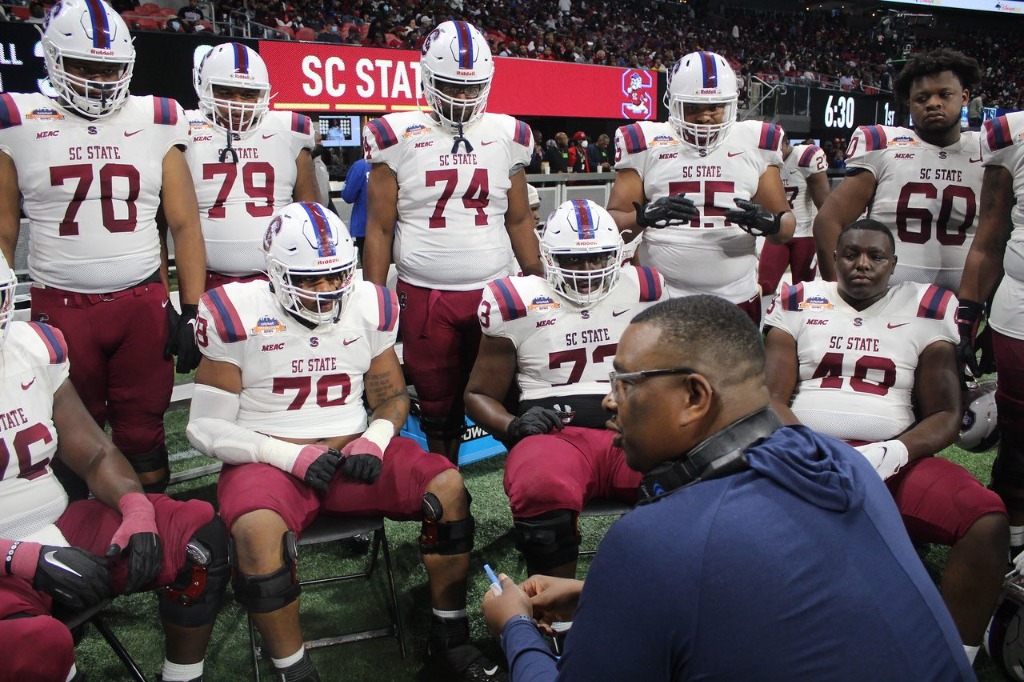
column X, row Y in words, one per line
column 942, row 174
column 597, row 335
column 859, row 343
column 12, row 419
column 702, row 171
column 325, row 364
column 463, row 159
column 95, row 152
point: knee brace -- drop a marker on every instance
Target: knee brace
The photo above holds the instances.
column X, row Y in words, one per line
column 154, row 460
column 445, row 539
column 547, row 540
column 271, row 591
column 446, row 428
column 195, row 596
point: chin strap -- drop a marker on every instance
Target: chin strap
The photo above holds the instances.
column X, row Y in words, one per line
column 460, row 138
column 720, row 455
column 228, row 151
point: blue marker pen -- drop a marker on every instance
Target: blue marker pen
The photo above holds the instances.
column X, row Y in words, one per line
column 494, row 578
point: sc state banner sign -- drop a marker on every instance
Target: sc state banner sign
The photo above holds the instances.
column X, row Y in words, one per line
column 837, row 113
column 327, row 77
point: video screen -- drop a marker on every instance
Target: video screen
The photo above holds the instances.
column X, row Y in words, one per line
column 340, row 131
column 1004, row 6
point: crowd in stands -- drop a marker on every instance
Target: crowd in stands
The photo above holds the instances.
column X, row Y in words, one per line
column 818, row 47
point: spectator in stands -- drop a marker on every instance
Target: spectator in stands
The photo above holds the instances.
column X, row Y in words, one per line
column 97, row 270
column 557, row 154
column 892, row 389
column 578, row 161
column 975, row 113
column 355, row 193
column 329, row 34
column 190, row 15
column 599, row 155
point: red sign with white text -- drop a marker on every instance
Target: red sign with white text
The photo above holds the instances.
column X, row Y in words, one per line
column 326, row 77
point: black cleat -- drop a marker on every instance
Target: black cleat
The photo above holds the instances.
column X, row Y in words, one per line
column 466, row 662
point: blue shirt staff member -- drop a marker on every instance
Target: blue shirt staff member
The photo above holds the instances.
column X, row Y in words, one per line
column 762, row 551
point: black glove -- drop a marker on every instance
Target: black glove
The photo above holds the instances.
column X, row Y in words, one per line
column 173, row 322
column 534, row 421
column 365, row 468
column 671, row 210
column 968, row 315
column 145, row 556
column 319, row 474
column 72, row 576
column 754, row 218
column 188, row 351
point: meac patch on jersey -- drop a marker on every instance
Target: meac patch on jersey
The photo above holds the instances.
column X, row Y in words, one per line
column 563, row 349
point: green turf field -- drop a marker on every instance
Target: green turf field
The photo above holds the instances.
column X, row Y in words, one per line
column 334, row 609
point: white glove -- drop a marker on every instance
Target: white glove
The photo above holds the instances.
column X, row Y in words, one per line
column 1018, row 566
column 888, row 456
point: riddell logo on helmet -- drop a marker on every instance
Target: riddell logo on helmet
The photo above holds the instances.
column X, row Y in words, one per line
column 465, row 72
column 101, row 53
column 708, row 91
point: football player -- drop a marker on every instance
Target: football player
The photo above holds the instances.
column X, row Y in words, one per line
column 554, row 337
column 59, row 557
column 875, row 366
column 453, row 180
column 93, row 166
column 922, row 181
column 247, row 162
column 805, row 180
column 996, row 264
column 702, row 186
column 279, row 399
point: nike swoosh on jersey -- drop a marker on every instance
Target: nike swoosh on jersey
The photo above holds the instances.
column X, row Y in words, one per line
column 484, row 144
column 890, row 325
column 127, row 134
column 616, row 313
column 51, row 559
column 732, row 154
column 267, row 137
column 25, row 387
column 978, row 160
column 349, row 342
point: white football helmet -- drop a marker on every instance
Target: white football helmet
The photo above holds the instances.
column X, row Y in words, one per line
column 88, row 30
column 978, row 431
column 701, row 78
column 455, row 60
column 306, row 240
column 578, row 230
column 8, row 284
column 232, row 65
column 1004, row 636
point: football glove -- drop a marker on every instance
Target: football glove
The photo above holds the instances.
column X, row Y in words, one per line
column 363, row 460
column 316, row 465
column 754, row 218
column 887, row 457
column 173, row 322
column 671, row 210
column 71, row 576
column 535, row 421
column 968, row 316
column 188, row 352
column 138, row 537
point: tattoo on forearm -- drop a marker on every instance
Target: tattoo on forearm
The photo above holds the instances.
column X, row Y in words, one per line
column 380, row 388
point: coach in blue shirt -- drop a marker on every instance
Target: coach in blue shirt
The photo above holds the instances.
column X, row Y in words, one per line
column 762, row 552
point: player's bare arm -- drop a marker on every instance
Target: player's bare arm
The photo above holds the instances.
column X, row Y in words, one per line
column 984, row 265
column 490, row 382
column 181, row 209
column 10, row 207
column 818, row 189
column 381, row 214
column 844, row 205
column 937, row 396
column 305, row 180
column 781, row 370
column 87, row 450
column 627, row 188
column 519, row 223
column 386, row 391
column 772, row 196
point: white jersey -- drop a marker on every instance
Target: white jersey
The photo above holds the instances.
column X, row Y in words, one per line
column 1003, row 146
column 236, row 201
column 927, row 195
column 451, row 203
column 297, row 382
column 561, row 348
column 856, row 367
column 34, row 365
column 804, row 161
column 91, row 188
column 710, row 255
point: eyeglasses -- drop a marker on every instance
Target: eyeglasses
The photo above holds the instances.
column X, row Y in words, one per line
column 630, row 378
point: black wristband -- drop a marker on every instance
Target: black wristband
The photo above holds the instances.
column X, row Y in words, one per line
column 10, row 557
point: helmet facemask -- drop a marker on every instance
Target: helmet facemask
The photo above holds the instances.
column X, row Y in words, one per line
column 460, row 109
column 323, row 307
column 704, row 136
column 581, row 249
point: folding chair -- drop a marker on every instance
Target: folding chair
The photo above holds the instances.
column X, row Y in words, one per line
column 601, row 506
column 78, row 619
column 334, row 529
